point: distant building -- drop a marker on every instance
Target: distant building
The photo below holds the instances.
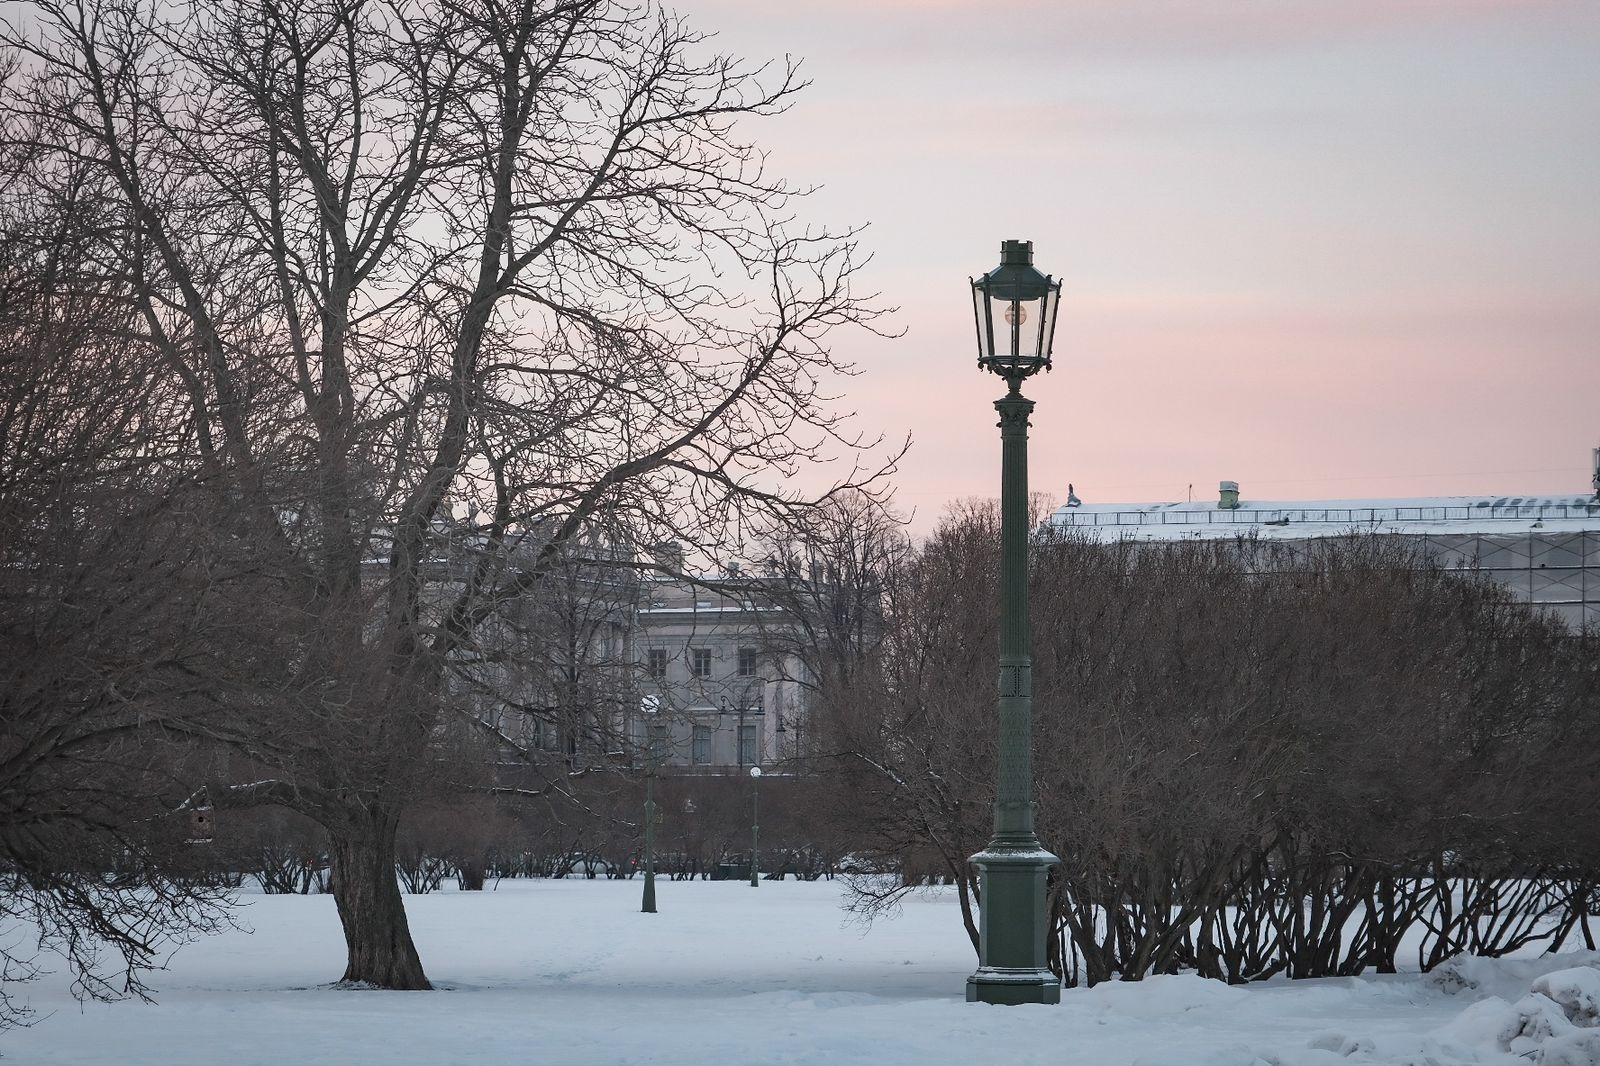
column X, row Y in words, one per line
column 1544, row 548
column 554, row 670
column 715, row 697
column 601, row 664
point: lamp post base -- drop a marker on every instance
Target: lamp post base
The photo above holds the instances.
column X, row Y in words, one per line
column 1011, row 929
column 1009, row 988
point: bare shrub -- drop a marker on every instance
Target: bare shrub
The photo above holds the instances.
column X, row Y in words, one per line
column 1253, row 758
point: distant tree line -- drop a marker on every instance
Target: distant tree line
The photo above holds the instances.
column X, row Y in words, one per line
column 703, row 832
column 1309, row 758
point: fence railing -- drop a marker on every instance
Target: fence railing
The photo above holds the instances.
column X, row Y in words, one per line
column 1349, row 516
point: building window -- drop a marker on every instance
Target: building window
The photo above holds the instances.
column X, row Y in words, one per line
column 747, row 745
column 701, row 752
column 660, row 738
column 747, row 662
column 658, row 662
column 702, row 662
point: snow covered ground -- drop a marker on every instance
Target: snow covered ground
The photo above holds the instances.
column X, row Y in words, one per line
column 570, row 971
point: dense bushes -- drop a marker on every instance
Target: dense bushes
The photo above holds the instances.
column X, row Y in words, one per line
column 1252, row 757
column 592, row 830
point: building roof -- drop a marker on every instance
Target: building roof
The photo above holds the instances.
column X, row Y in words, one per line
column 1299, row 519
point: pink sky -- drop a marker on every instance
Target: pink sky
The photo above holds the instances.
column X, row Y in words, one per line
column 1325, row 248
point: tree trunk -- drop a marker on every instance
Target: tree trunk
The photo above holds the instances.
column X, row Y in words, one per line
column 376, row 932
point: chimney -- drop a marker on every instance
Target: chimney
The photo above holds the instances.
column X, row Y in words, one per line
column 1228, row 496
column 668, row 555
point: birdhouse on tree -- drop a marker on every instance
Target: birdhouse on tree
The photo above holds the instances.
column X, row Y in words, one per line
column 201, row 830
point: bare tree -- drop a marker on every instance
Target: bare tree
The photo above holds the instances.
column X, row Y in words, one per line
column 830, row 579
column 390, row 259
column 105, row 591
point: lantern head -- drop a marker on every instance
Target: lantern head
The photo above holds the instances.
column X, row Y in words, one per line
column 1015, row 307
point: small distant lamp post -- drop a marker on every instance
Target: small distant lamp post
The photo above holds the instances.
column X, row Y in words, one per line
column 755, row 827
column 1015, row 307
column 649, row 905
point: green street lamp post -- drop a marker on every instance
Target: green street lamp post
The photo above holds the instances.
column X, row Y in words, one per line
column 755, row 826
column 1015, row 307
column 650, row 705
column 649, row 905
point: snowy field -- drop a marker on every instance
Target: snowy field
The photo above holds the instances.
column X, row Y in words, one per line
column 571, row 972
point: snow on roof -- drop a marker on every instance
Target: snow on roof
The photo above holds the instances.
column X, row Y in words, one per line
column 733, row 609
column 1298, row 519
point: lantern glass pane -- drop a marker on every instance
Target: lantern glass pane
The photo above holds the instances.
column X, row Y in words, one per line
column 980, row 311
column 1016, row 329
column 1047, row 326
